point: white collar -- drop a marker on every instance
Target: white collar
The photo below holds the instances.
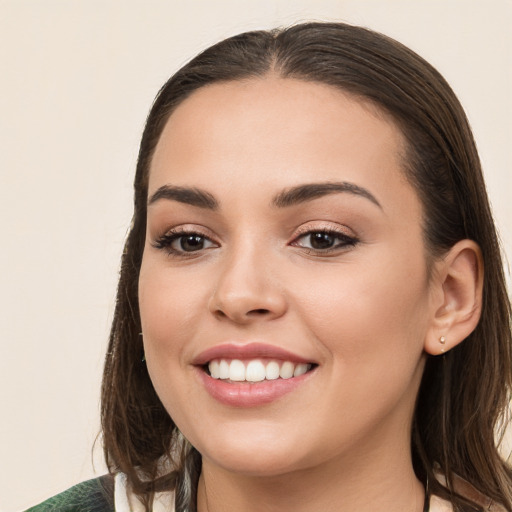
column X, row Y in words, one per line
column 126, row 501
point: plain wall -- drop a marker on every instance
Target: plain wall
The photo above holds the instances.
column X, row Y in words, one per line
column 77, row 79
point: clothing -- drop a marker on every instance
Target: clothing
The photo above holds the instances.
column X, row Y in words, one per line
column 104, row 494
column 111, row 494
column 95, row 495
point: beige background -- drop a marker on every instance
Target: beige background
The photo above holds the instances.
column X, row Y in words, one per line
column 77, row 78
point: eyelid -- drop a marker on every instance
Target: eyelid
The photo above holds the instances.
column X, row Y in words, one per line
column 331, row 227
column 185, row 229
column 165, row 240
column 347, row 239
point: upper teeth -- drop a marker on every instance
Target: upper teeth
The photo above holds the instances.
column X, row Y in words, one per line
column 255, row 370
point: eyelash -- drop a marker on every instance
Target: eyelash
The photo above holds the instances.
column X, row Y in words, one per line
column 166, row 241
column 345, row 241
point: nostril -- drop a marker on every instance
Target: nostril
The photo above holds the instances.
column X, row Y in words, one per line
column 258, row 312
column 240, row 316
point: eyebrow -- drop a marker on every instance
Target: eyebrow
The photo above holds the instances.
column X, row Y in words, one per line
column 289, row 197
column 303, row 193
column 192, row 196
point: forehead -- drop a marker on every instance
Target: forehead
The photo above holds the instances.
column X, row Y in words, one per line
column 280, row 132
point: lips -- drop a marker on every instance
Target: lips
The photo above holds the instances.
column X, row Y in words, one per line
column 251, row 375
column 249, row 351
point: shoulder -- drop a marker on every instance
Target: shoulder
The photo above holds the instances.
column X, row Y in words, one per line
column 96, row 495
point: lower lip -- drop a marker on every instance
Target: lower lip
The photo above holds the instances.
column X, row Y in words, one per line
column 250, row 394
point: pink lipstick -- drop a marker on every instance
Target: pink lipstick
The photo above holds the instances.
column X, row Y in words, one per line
column 251, row 375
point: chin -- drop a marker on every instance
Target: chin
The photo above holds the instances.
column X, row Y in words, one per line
column 254, row 464
column 262, row 455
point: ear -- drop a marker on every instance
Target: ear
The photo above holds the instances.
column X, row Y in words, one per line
column 457, row 297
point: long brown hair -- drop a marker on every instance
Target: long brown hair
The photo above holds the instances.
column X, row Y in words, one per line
column 464, row 393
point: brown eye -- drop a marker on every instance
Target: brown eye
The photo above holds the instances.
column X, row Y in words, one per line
column 191, row 243
column 324, row 241
column 321, row 240
column 182, row 243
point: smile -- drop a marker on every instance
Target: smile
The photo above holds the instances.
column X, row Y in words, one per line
column 255, row 370
column 251, row 375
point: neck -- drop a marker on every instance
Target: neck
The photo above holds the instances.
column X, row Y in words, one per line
column 336, row 487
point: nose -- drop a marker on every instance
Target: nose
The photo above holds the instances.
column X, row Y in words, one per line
column 246, row 290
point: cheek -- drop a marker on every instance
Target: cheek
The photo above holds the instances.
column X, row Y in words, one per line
column 368, row 311
column 167, row 303
column 167, row 315
column 370, row 323
column 169, row 311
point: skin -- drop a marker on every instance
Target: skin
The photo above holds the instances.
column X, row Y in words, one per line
column 365, row 313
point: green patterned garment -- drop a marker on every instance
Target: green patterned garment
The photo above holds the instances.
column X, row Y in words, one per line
column 96, row 495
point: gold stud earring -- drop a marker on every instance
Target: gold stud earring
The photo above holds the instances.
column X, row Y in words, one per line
column 442, row 340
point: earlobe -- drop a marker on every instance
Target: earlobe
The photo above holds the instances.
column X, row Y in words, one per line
column 459, row 283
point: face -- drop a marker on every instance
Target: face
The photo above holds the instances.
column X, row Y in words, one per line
column 283, row 291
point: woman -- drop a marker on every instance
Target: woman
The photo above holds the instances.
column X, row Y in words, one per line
column 311, row 311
